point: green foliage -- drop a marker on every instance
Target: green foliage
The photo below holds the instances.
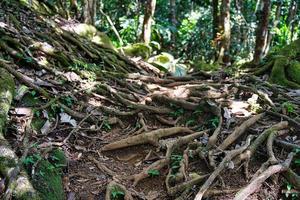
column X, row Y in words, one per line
column 153, row 172
column 289, row 107
column 214, row 122
column 178, row 111
column 117, row 193
column 175, row 162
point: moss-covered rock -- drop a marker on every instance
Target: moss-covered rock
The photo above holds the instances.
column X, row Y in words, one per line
column 91, row 33
column 138, row 50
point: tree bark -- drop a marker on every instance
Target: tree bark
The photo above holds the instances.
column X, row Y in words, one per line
column 215, row 13
column 148, row 19
column 225, row 29
column 89, row 11
column 275, row 24
column 291, row 17
column 173, row 19
column 262, row 31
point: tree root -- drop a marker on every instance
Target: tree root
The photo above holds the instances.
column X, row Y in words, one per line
column 239, row 131
column 151, row 137
column 229, row 156
column 259, row 180
column 165, row 161
column 258, row 141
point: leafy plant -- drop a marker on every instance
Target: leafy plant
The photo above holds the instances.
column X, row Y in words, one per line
column 153, row 172
column 175, row 162
column 116, row 193
column 68, row 100
column 32, row 159
column 178, row 111
column 214, row 122
column 289, row 107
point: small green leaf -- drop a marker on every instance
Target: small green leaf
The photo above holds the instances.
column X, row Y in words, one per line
column 153, row 172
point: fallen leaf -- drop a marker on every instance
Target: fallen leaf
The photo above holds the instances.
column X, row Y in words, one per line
column 65, row 118
column 46, row 127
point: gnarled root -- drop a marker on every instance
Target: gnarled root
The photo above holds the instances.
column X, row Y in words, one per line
column 259, row 180
column 151, row 137
column 229, row 156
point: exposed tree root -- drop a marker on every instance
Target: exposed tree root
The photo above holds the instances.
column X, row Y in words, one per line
column 239, row 131
column 151, row 137
column 258, row 141
column 229, row 156
column 171, row 146
column 257, row 182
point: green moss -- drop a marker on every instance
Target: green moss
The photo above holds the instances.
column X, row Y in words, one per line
column 138, row 49
column 163, row 61
column 7, row 88
column 202, row 65
column 293, row 72
column 278, row 73
column 6, row 163
column 30, row 100
column 58, row 158
column 37, row 123
column 48, row 181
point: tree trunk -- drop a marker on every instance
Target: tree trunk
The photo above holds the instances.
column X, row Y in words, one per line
column 262, row 31
column 275, row 24
column 148, row 18
column 89, row 11
column 291, row 21
column 215, row 13
column 225, row 29
column 173, row 19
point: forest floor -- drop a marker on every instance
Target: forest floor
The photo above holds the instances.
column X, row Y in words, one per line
column 126, row 129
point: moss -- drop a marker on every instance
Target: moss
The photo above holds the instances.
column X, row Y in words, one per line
column 202, row 65
column 7, row 88
column 293, row 72
column 37, row 123
column 163, row 61
column 30, row 100
column 6, row 163
column 278, row 73
column 138, row 49
column 58, row 158
column 48, row 181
